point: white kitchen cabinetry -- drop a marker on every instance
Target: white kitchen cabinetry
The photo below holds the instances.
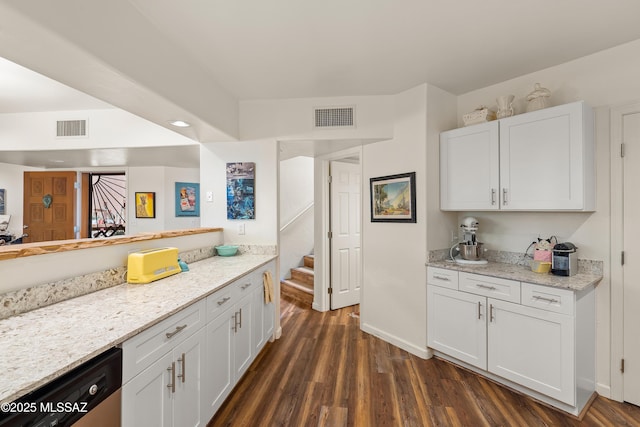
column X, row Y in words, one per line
column 469, row 168
column 166, row 391
column 542, row 160
column 238, row 326
column 456, row 325
column 524, row 335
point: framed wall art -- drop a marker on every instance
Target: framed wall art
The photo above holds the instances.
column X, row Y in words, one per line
column 187, row 199
column 145, row 204
column 241, row 190
column 393, row 198
column 3, row 194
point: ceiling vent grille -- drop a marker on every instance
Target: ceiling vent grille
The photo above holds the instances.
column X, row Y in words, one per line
column 71, row 128
column 334, row 117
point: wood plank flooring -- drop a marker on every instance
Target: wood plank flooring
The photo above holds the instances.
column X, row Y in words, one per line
column 324, row 371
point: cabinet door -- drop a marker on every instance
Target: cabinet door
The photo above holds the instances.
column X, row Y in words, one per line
column 257, row 317
column 532, row 347
column 546, row 160
column 243, row 336
column 187, row 400
column 469, row 168
column 219, row 379
column 146, row 399
column 456, row 325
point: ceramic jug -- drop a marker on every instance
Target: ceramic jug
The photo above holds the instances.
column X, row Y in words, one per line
column 505, row 106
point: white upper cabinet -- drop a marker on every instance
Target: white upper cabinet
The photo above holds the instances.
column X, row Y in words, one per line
column 538, row 161
column 469, row 168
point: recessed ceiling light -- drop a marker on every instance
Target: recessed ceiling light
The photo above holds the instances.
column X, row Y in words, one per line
column 180, row 124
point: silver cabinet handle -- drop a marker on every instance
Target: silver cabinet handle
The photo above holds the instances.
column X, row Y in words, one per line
column 235, row 322
column 441, row 278
column 172, row 369
column 491, row 317
column 493, row 196
column 491, row 288
column 504, row 196
column 549, row 300
column 223, row 300
column 479, row 308
column 183, row 361
column 240, row 318
column 245, row 286
column 178, row 329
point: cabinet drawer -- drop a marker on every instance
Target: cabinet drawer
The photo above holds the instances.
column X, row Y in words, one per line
column 247, row 284
column 493, row 287
column 442, row 277
column 140, row 351
column 548, row 298
column 220, row 300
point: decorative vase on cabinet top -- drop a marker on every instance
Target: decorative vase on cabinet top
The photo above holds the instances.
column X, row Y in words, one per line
column 538, row 99
column 505, row 106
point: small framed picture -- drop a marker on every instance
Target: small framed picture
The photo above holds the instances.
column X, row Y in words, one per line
column 393, row 198
column 2, row 201
column 187, row 199
column 145, row 204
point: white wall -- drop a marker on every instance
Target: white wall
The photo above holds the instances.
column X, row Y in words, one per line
column 394, row 297
column 161, row 180
column 107, row 128
column 602, row 80
column 263, row 230
column 12, row 180
column 296, row 194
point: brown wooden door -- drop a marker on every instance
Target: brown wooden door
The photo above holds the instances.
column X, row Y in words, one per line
column 55, row 222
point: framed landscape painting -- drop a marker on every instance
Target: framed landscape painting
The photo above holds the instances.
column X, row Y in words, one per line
column 393, row 198
column 187, row 199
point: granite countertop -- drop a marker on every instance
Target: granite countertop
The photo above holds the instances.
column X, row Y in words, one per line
column 521, row 273
column 41, row 345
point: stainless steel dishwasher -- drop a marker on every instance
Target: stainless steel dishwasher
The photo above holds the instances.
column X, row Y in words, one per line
column 89, row 395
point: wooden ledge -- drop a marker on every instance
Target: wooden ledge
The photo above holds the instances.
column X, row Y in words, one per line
column 30, row 249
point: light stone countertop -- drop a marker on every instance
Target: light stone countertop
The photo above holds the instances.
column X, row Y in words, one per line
column 41, row 345
column 521, row 273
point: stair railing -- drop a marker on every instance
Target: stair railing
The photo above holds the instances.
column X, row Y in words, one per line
column 295, row 218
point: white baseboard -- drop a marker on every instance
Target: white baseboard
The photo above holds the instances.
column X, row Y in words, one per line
column 278, row 332
column 423, row 353
column 603, row 390
column 318, row 307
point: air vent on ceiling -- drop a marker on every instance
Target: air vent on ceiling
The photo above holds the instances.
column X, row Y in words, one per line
column 332, row 117
column 71, row 128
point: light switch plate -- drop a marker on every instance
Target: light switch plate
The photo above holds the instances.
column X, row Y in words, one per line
column 209, row 196
column 240, row 228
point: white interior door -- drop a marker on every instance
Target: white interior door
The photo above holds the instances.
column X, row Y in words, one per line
column 631, row 272
column 346, row 263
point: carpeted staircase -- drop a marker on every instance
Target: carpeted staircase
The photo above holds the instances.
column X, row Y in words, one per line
column 300, row 286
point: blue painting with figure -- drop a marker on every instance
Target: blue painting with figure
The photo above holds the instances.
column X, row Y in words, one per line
column 241, row 190
column 2, row 202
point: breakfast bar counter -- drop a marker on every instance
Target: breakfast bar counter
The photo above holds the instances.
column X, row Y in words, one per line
column 41, row 345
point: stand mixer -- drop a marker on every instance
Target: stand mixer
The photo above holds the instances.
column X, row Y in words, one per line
column 470, row 251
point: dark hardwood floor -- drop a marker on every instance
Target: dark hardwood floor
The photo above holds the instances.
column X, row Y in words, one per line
column 324, row 371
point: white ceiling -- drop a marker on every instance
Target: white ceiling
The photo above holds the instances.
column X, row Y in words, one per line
column 300, row 48
column 256, row 49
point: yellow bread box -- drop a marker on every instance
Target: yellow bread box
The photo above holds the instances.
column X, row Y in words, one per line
column 152, row 264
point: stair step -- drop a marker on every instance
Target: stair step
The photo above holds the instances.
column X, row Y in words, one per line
column 309, row 261
column 304, row 275
column 296, row 291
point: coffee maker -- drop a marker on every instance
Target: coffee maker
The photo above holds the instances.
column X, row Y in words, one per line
column 564, row 260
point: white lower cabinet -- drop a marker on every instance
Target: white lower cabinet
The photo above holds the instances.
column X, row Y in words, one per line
column 534, row 348
column 167, row 393
column 525, row 335
column 239, row 325
column 179, row 372
column 456, row 325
